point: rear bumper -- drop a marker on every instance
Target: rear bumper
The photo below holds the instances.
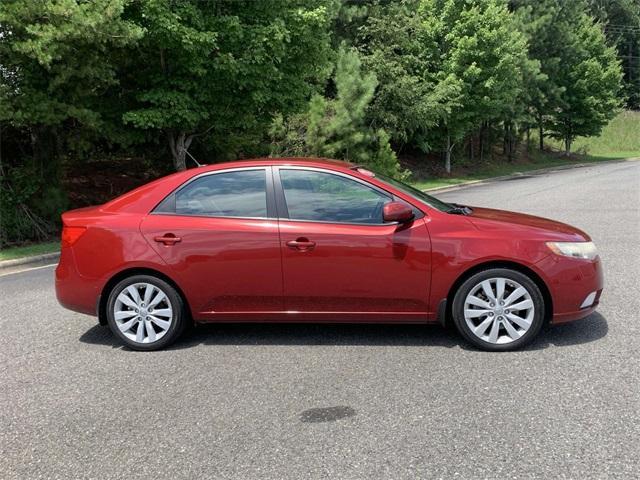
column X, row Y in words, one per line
column 575, row 286
column 73, row 291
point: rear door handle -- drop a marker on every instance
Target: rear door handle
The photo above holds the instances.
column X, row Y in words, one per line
column 302, row 244
column 168, row 239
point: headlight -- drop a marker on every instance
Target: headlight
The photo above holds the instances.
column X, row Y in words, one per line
column 585, row 250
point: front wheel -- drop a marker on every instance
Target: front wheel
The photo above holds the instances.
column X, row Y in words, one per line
column 499, row 309
column 145, row 312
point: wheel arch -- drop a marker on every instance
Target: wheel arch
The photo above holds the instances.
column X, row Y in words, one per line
column 121, row 275
column 519, row 267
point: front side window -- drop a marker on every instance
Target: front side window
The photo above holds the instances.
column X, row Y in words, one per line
column 231, row 194
column 325, row 197
column 417, row 194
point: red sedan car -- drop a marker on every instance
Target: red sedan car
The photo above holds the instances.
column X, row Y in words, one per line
column 309, row 240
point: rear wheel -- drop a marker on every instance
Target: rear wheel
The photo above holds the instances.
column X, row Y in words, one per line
column 498, row 309
column 145, row 312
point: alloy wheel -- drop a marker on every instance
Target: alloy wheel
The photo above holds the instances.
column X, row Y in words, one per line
column 143, row 312
column 499, row 310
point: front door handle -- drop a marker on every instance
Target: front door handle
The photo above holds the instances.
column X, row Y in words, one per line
column 302, row 244
column 168, row 239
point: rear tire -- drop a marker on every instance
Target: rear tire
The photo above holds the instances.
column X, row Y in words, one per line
column 498, row 309
column 146, row 313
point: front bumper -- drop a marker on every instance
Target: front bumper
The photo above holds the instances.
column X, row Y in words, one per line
column 575, row 286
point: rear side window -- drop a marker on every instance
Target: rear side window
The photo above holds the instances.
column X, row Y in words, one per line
column 325, row 197
column 231, row 194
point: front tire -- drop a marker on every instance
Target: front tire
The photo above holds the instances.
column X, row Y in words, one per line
column 498, row 309
column 145, row 312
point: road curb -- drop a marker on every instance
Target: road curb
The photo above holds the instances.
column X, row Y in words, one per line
column 526, row 173
column 17, row 262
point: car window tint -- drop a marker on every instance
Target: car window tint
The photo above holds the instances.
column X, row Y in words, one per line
column 324, row 197
column 230, row 194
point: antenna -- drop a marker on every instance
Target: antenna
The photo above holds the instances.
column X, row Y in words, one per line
column 192, row 157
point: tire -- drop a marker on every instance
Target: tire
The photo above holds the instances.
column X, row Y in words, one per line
column 150, row 320
column 488, row 325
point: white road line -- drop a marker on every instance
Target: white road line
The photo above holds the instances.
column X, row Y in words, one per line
column 28, row 269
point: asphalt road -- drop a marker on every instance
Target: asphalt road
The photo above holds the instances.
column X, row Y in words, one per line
column 344, row 402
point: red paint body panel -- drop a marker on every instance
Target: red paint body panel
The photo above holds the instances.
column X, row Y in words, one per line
column 357, row 268
column 221, row 264
column 243, row 269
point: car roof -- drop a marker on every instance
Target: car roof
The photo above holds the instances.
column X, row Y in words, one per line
column 295, row 161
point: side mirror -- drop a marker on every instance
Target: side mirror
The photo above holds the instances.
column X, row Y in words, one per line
column 397, row 212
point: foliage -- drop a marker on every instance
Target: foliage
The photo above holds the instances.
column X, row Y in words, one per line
column 28, row 203
column 579, row 92
column 336, row 127
column 621, row 22
column 362, row 80
column 55, row 58
column 619, row 139
column 590, row 81
column 220, row 67
column 407, row 100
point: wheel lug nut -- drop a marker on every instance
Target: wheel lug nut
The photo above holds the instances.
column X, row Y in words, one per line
column 491, row 314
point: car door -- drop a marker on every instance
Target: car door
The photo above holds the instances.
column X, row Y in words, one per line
column 340, row 260
column 220, row 236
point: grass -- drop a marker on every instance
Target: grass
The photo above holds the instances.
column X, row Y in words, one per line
column 539, row 160
column 12, row 253
column 619, row 140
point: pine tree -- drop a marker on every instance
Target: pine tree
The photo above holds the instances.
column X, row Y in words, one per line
column 337, row 127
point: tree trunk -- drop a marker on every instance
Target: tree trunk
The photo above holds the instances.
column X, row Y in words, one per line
column 510, row 143
column 490, row 140
column 482, row 143
column 567, row 145
column 447, row 161
column 541, row 131
column 44, row 144
column 179, row 143
column 505, row 139
column 528, row 133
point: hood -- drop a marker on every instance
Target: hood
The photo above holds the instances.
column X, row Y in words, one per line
column 490, row 219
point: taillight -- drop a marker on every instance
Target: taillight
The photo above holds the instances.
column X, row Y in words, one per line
column 70, row 235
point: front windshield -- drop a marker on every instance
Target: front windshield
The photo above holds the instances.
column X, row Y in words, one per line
column 417, row 194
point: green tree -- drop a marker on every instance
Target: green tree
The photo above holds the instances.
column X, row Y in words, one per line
column 590, row 80
column 578, row 91
column 478, row 56
column 56, row 65
column 539, row 20
column 337, row 127
column 407, row 101
column 217, row 68
column 621, row 21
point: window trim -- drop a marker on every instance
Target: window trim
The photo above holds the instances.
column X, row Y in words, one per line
column 269, row 194
column 281, row 202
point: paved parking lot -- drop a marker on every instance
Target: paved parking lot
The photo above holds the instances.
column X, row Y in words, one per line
column 345, row 402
